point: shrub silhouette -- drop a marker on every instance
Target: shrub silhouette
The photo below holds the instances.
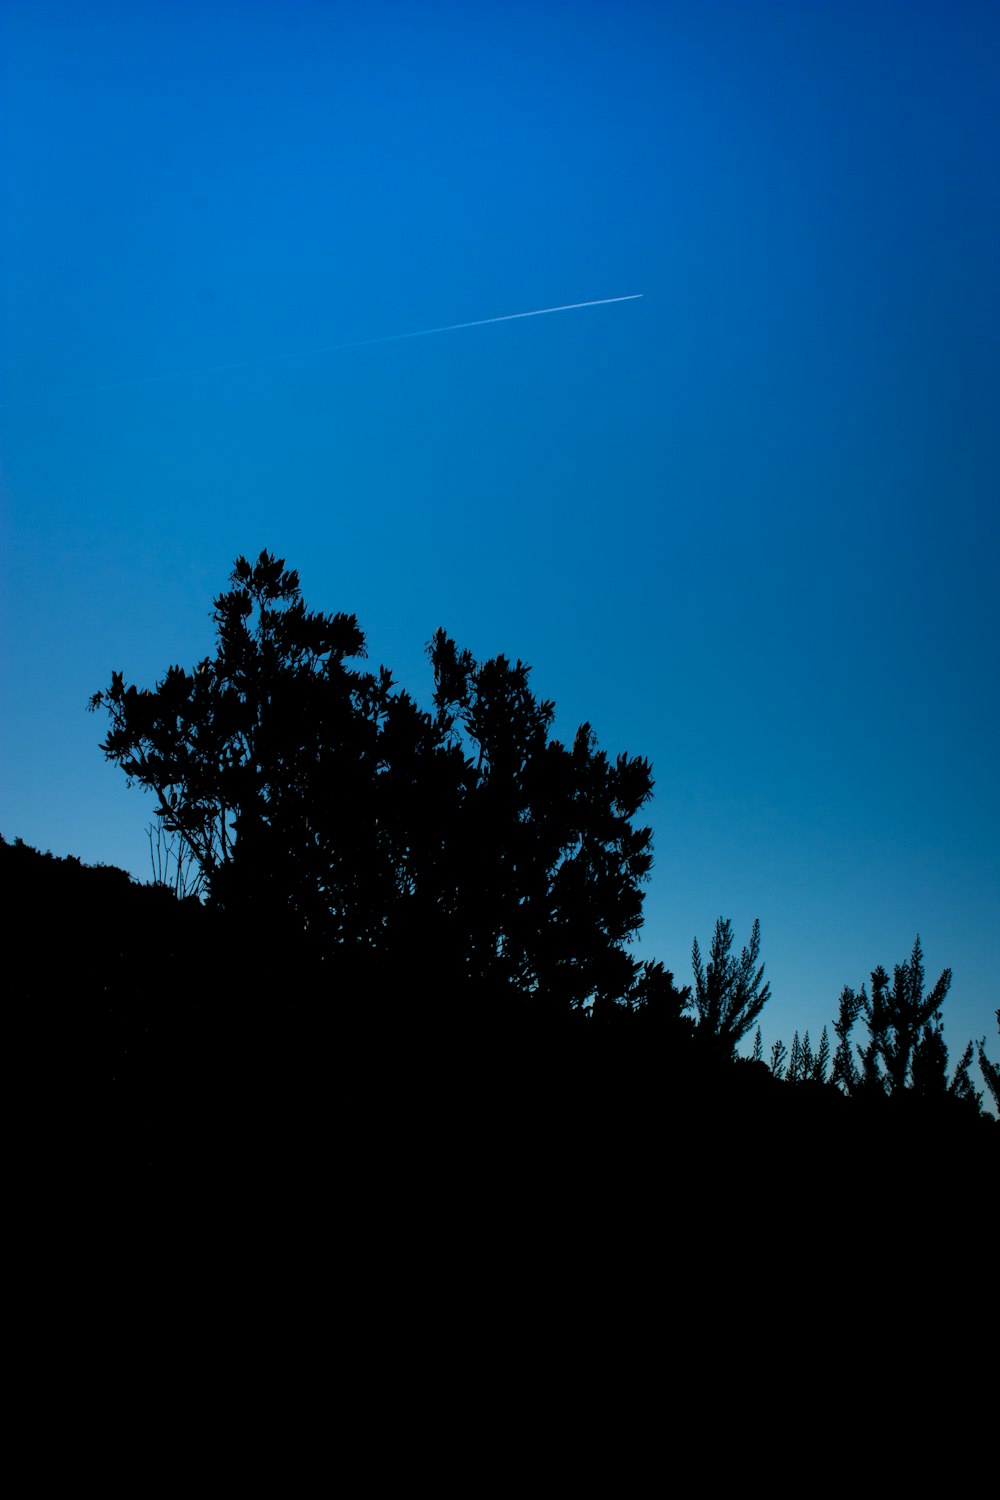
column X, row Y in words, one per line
column 906, row 1051
column 319, row 804
column 727, row 993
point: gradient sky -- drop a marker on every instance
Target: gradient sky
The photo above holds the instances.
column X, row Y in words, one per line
column 747, row 526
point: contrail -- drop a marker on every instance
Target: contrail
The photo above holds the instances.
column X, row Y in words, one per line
column 538, row 312
column 271, row 359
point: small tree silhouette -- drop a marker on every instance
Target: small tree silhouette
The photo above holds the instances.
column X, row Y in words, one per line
column 990, row 1070
column 906, row 1050
column 905, row 1024
column 727, row 993
column 805, row 1065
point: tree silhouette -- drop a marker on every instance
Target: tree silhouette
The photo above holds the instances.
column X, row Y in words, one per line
column 544, row 867
column 904, row 1024
column 845, row 1069
column 316, row 799
column 727, row 993
column 804, row 1065
column 243, row 754
column 990, row 1070
column 906, row 1050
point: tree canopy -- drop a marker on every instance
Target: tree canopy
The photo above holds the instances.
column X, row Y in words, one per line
column 316, row 796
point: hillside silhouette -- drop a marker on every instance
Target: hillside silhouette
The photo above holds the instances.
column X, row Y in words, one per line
column 384, row 935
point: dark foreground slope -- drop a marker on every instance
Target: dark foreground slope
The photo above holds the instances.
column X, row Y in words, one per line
column 459, row 1222
column 164, row 1048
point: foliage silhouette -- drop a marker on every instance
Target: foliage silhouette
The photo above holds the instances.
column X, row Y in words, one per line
column 544, row 868
column 320, row 803
column 727, row 995
column 906, row 1051
column 990, row 1070
column 804, row 1065
column 172, row 863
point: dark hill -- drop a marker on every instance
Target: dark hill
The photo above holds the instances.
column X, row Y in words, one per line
column 163, row 1045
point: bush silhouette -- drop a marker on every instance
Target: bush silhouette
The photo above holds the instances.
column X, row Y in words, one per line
column 320, row 805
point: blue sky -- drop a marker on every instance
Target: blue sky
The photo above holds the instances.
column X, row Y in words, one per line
column 746, row 526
